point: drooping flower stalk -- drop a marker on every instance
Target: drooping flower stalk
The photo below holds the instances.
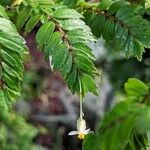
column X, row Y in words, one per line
column 80, row 98
column 81, row 123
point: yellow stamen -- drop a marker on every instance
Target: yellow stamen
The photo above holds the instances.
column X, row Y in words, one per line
column 81, row 136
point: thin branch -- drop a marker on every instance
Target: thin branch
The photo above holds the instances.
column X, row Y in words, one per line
column 64, row 35
column 97, row 11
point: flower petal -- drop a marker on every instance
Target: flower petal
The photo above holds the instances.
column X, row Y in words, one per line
column 73, row 133
column 86, row 131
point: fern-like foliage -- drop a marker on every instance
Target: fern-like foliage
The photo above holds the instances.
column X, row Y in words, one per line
column 120, row 25
column 12, row 49
column 64, row 37
column 126, row 125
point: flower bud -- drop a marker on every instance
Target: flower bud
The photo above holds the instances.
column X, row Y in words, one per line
column 81, row 125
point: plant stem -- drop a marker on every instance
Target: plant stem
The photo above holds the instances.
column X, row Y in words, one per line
column 80, row 97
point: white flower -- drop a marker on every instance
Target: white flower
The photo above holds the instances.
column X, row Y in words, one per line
column 81, row 129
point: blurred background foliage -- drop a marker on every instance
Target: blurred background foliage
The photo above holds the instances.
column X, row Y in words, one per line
column 47, row 111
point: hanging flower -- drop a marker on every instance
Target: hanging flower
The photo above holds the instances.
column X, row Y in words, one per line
column 81, row 129
column 81, row 123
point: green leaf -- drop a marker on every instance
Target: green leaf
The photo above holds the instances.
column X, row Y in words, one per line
column 90, row 142
column 44, row 34
column 59, row 56
column 136, row 88
column 70, row 3
column 83, row 49
column 125, row 126
column 71, row 24
column 5, row 2
column 138, row 50
column 66, row 13
column 119, row 121
column 80, row 36
column 67, row 65
column 10, row 82
column 0, row 72
column 105, row 4
column 23, row 16
column 85, row 64
column 32, row 23
column 89, row 84
column 139, row 141
column 97, row 25
column 3, row 100
column 3, row 13
column 15, row 43
column 52, row 45
column 121, row 26
column 11, row 72
column 143, row 120
column 12, row 59
column 63, row 38
column 136, row 32
column 71, row 78
column 109, row 30
column 12, row 49
column 115, row 6
column 6, row 26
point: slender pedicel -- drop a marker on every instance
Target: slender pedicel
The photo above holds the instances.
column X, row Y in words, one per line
column 81, row 123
